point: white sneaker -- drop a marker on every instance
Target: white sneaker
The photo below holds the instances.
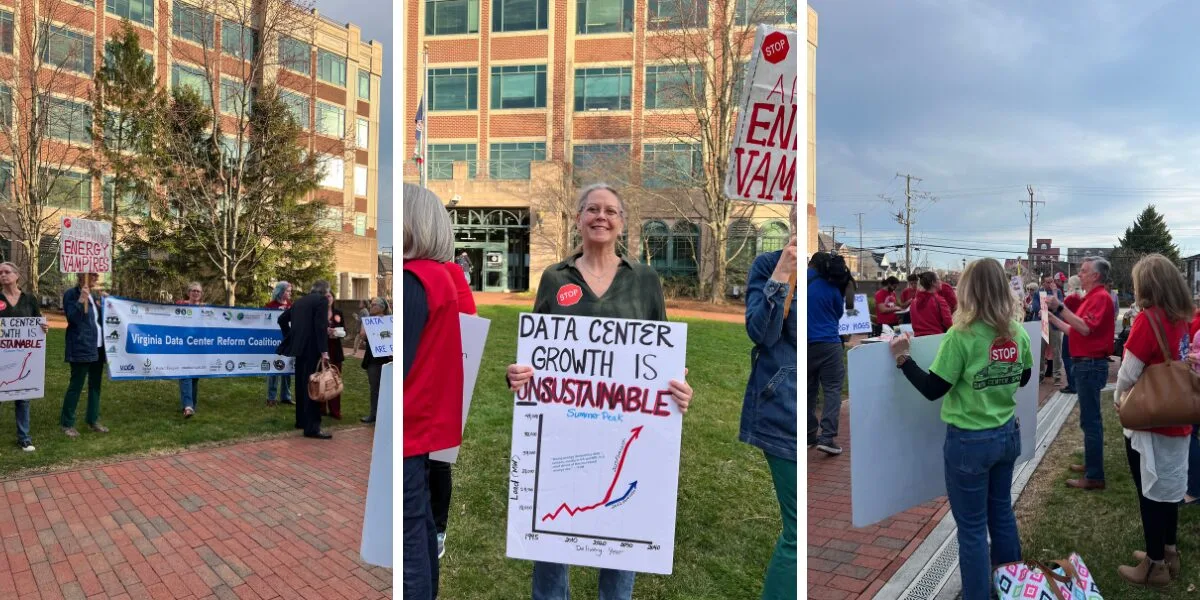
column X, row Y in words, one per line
column 441, row 545
column 29, row 448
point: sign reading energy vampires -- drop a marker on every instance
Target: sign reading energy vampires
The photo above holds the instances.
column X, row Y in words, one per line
column 762, row 164
column 164, row 341
column 85, row 246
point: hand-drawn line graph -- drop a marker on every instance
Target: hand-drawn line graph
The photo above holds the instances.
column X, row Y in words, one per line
column 607, row 501
column 21, row 374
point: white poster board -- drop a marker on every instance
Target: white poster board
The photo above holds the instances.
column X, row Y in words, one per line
column 379, row 334
column 594, row 475
column 85, row 246
column 856, row 320
column 762, row 164
column 145, row 340
column 376, row 548
column 1017, row 285
column 22, row 358
column 474, row 340
column 897, row 435
column 1045, row 316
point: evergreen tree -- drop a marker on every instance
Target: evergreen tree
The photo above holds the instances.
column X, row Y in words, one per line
column 1148, row 235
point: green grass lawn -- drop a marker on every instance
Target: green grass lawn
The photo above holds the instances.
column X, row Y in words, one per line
column 1103, row 527
column 145, row 416
column 728, row 517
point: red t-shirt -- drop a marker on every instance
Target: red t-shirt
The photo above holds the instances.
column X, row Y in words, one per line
column 930, row 315
column 1143, row 344
column 1072, row 302
column 947, row 294
column 1098, row 314
column 1194, row 326
column 882, row 297
column 907, row 295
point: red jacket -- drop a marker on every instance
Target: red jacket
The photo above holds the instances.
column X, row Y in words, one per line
column 947, row 294
column 930, row 314
column 433, row 390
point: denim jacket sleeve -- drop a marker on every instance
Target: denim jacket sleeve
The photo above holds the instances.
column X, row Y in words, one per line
column 764, row 302
column 72, row 307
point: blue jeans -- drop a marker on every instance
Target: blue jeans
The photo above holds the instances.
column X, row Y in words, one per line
column 1066, row 360
column 285, row 390
column 979, row 470
column 420, row 534
column 189, row 391
column 22, row 408
column 550, row 582
column 1091, row 375
column 1193, row 487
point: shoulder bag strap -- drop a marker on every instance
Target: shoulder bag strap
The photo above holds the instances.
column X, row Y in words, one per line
column 1157, row 327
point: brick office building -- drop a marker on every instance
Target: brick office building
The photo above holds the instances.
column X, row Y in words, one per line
column 522, row 95
column 331, row 80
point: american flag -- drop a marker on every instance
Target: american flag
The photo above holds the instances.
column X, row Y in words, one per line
column 420, row 130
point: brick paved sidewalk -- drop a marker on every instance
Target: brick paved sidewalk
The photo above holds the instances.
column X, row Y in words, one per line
column 854, row 563
column 273, row 519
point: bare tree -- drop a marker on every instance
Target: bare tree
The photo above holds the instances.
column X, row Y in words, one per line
column 231, row 170
column 695, row 71
column 46, row 124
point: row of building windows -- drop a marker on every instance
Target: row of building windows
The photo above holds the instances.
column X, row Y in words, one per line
column 456, row 17
column 596, row 89
column 664, row 166
column 74, row 51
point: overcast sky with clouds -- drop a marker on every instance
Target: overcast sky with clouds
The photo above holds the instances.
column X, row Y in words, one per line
column 374, row 17
column 1092, row 103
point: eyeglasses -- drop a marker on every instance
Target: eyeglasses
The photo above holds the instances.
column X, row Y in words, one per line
column 595, row 210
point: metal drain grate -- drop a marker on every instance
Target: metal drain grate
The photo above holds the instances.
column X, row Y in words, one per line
column 935, row 573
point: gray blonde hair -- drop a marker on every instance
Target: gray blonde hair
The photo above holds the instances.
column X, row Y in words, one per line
column 427, row 230
column 320, row 286
column 13, row 267
column 587, row 191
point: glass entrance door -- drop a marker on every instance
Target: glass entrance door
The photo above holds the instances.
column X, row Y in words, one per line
column 495, row 269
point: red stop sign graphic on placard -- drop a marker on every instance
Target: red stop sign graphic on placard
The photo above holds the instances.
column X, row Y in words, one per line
column 67, row 223
column 775, row 47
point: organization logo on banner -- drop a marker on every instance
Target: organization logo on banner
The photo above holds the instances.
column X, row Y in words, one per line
column 280, row 365
column 113, row 320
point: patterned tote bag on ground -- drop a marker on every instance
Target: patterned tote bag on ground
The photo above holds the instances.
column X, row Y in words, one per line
column 1058, row 580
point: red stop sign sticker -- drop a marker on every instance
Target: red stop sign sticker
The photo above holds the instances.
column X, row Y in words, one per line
column 569, row 295
column 775, row 47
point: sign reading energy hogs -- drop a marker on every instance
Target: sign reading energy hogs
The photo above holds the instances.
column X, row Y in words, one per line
column 762, row 164
column 164, row 341
column 594, row 474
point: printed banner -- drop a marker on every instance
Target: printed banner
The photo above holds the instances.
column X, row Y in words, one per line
column 474, row 339
column 164, row 341
column 762, row 165
column 594, row 476
column 379, row 334
column 856, row 320
column 898, row 435
column 22, row 358
column 85, row 246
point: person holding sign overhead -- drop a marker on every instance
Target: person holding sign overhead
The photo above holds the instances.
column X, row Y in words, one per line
column 980, row 364
column 596, row 282
column 14, row 303
column 769, row 406
column 85, row 353
column 433, row 377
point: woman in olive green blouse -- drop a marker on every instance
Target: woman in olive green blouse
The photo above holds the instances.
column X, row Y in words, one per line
column 595, row 282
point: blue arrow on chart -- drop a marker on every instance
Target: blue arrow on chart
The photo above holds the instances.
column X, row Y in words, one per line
column 632, row 486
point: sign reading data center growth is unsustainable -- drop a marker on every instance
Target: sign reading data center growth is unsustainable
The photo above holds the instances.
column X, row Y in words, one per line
column 163, row 341
column 594, row 474
column 762, row 163
column 22, row 358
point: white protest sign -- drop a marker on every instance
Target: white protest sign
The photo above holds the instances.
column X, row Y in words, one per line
column 856, row 320
column 22, row 358
column 594, row 475
column 1045, row 316
column 379, row 334
column 897, row 434
column 85, row 246
column 474, row 339
column 762, row 165
column 376, row 548
column 1017, row 285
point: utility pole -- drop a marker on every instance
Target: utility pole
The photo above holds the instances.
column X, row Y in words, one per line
column 833, row 234
column 860, row 245
column 905, row 219
column 1031, row 203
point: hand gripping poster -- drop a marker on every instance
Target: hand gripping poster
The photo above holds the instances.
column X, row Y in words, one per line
column 145, row 340
column 594, row 474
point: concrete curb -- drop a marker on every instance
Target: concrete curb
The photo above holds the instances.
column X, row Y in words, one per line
column 932, row 570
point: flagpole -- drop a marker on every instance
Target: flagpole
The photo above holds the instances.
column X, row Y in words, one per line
column 425, row 116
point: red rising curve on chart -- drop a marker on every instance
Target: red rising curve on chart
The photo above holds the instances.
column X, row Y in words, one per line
column 637, row 431
column 22, row 373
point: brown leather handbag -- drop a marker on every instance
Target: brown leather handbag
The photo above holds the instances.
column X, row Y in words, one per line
column 326, row 383
column 1166, row 395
